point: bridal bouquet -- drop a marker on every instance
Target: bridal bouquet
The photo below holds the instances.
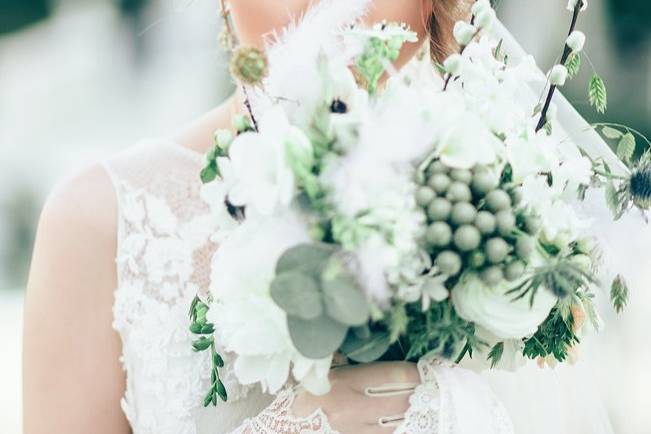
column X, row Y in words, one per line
column 431, row 215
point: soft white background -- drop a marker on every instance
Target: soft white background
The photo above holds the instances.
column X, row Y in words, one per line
column 85, row 84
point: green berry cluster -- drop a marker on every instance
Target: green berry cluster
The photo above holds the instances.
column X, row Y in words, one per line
column 474, row 223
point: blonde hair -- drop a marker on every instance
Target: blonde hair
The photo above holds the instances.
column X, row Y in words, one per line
column 445, row 13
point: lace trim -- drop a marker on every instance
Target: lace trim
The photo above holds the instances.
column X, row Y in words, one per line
column 278, row 419
column 163, row 260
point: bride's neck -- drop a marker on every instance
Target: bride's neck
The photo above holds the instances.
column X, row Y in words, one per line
column 198, row 135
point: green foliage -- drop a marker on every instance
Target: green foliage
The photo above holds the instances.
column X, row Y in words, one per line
column 206, row 342
column 560, row 275
column 573, row 64
column 597, row 94
column 439, row 331
column 619, row 293
column 297, row 294
column 378, row 53
column 320, row 296
column 365, row 347
column 555, row 337
column 626, row 148
column 316, row 338
column 495, row 354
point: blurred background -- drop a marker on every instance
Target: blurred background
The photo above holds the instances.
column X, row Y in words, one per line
column 82, row 79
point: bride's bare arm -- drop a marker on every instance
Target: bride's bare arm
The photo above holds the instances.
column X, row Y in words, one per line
column 73, row 381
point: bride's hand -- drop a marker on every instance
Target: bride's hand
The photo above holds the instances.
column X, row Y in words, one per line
column 364, row 399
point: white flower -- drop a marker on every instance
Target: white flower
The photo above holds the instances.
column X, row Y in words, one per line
column 571, row 4
column 248, row 321
column 576, row 41
column 214, row 194
column 467, row 142
column 464, row 32
column 453, row 64
column 485, row 18
column 258, row 171
column 496, row 311
column 480, row 6
column 530, row 155
column 558, row 75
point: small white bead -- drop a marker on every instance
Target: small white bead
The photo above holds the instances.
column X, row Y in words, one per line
column 558, row 75
column 576, row 41
column 464, row 32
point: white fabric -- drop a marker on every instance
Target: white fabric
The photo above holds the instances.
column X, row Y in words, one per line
column 163, row 260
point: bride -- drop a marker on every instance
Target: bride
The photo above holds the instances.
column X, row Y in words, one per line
column 123, row 247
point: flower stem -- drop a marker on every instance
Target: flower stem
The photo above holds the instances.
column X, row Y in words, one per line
column 566, row 53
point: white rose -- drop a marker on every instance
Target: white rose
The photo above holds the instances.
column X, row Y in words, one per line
column 497, row 312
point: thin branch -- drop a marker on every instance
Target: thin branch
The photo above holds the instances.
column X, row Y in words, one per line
column 566, row 53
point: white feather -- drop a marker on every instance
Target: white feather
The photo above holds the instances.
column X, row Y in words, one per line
column 292, row 53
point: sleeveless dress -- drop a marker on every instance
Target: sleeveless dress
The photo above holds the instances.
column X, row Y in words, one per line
column 163, row 260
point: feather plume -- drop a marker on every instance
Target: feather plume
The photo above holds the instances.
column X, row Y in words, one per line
column 293, row 52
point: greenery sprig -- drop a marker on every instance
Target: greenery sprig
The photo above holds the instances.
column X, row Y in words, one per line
column 206, row 342
column 574, row 64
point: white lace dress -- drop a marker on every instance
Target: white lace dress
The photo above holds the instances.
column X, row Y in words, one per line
column 163, row 259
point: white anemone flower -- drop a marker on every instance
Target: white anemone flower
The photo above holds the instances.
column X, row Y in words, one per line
column 258, row 170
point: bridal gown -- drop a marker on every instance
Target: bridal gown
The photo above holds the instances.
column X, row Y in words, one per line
column 163, row 260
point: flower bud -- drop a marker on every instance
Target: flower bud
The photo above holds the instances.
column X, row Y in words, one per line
column 485, row 18
column 464, row 32
column 576, row 41
column 571, row 4
column 453, row 64
column 480, row 6
column 249, row 65
column 223, row 138
column 558, row 75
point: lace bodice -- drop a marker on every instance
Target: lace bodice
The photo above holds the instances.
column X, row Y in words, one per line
column 163, row 260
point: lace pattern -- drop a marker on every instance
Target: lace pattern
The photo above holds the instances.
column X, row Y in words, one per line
column 163, row 260
column 438, row 404
column 278, row 419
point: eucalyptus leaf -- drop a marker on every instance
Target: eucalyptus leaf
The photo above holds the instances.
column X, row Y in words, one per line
column 297, row 294
column 366, row 350
column 317, row 338
column 344, row 301
column 305, row 258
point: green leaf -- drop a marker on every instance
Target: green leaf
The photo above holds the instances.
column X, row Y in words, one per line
column 619, row 293
column 495, row 354
column 297, row 294
column 317, row 338
column 221, row 391
column 611, row 133
column 218, row 361
column 310, row 259
column 611, row 197
column 344, row 301
column 573, row 64
column 597, row 94
column 626, row 147
column 209, row 173
column 366, row 350
column 202, row 344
